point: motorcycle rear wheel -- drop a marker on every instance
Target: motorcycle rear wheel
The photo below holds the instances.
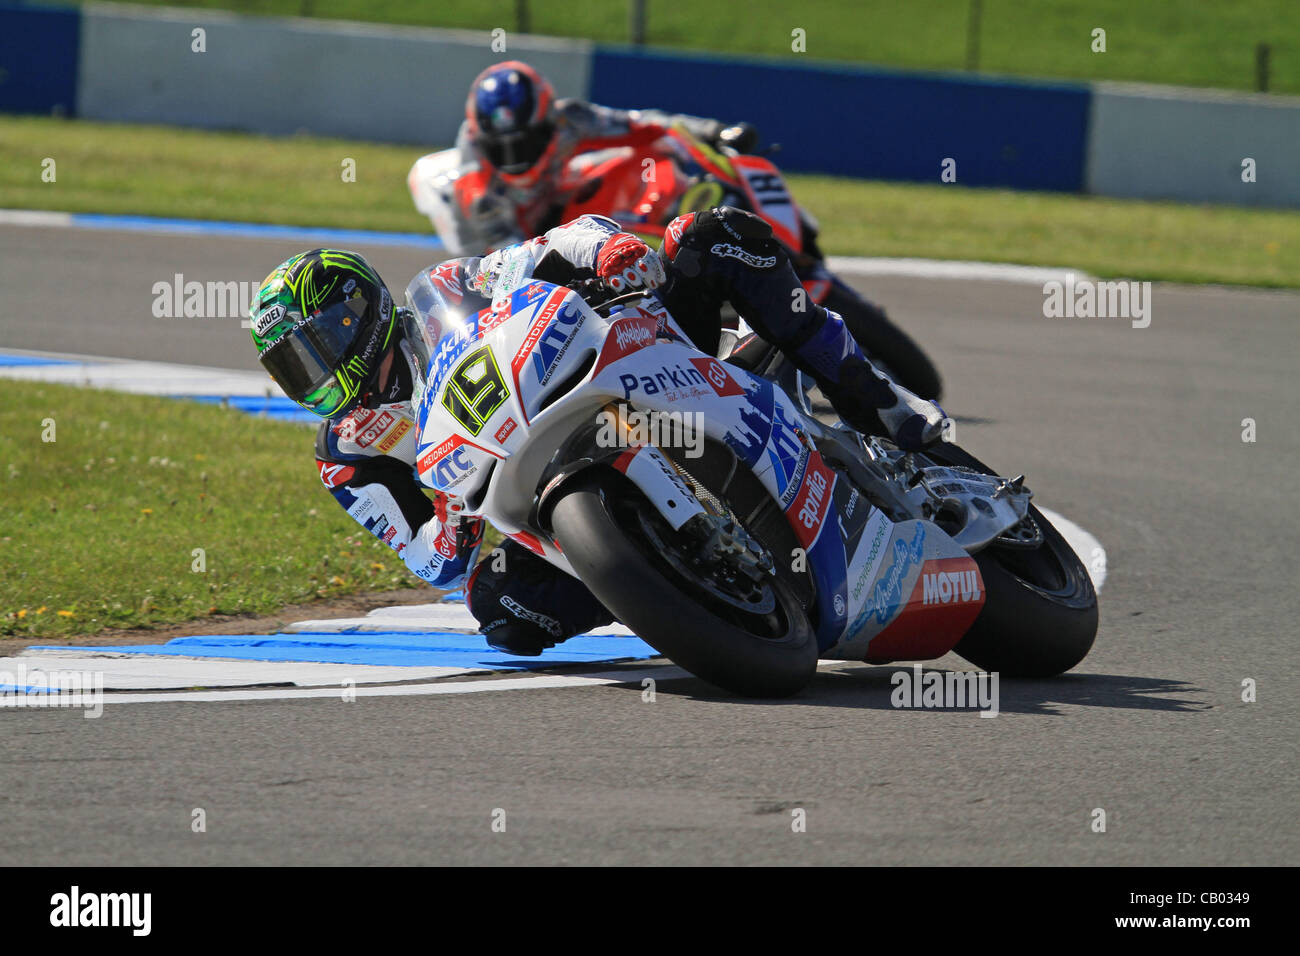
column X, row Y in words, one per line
column 1040, row 609
column 885, row 343
column 770, row 654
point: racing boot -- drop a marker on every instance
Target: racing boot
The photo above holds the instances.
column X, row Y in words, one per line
column 726, row 253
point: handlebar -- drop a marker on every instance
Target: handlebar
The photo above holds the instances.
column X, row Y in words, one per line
column 599, row 296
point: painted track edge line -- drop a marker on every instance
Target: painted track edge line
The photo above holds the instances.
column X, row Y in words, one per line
column 1084, row 543
column 211, row 227
column 535, row 682
column 951, row 269
column 851, row 265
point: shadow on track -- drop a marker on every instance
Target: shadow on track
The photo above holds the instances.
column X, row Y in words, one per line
column 867, row 687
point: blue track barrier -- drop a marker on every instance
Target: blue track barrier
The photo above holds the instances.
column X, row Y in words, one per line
column 866, row 123
column 38, row 59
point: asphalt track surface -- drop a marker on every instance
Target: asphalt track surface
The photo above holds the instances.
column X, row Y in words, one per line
column 1135, row 434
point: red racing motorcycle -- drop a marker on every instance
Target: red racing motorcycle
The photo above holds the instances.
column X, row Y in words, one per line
column 645, row 191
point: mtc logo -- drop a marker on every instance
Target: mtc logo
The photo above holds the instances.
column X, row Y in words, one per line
column 451, row 467
column 554, row 341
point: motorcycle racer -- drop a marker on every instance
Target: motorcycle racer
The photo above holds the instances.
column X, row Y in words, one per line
column 329, row 333
column 517, row 139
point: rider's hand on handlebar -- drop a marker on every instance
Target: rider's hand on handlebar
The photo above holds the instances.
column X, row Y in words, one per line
column 625, row 262
column 742, row 137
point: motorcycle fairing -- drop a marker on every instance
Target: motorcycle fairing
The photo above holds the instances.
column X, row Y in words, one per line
column 462, row 352
column 770, row 198
column 623, row 188
column 556, row 322
column 762, row 428
column 899, row 607
column 945, row 598
column 884, row 614
column 639, row 357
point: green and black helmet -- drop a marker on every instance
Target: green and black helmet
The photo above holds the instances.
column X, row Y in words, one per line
column 322, row 322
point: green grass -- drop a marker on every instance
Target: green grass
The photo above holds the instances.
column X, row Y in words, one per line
column 168, row 171
column 100, row 525
column 162, row 171
column 1192, row 42
column 1105, row 237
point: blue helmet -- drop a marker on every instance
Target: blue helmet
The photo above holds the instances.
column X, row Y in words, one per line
column 509, row 116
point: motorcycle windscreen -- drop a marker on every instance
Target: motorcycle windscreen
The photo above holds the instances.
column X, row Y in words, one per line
column 443, row 301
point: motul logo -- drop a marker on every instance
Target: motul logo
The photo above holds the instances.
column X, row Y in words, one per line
column 948, row 587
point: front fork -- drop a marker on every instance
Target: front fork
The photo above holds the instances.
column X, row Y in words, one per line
column 613, row 444
column 610, row 442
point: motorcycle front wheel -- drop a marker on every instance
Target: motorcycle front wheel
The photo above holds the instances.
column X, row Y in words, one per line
column 628, row 556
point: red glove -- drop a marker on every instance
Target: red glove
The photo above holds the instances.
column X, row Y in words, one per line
column 446, row 508
column 625, row 262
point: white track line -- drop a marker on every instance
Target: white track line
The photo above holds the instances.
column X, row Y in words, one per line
column 136, row 671
column 455, row 617
column 536, row 682
column 35, row 217
column 1087, row 547
column 849, row 265
column 949, row 269
column 150, row 378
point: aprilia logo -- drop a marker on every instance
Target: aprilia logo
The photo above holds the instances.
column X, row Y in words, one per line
column 812, row 502
column 810, row 513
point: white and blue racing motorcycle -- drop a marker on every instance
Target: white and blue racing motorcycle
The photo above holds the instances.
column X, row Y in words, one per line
column 743, row 538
